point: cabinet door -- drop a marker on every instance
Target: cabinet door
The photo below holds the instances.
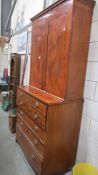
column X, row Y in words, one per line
column 57, row 56
column 37, row 54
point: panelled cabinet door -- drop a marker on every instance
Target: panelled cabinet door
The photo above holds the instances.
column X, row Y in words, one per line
column 57, row 56
column 37, row 54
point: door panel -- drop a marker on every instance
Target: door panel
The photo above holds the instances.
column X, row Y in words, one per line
column 57, row 56
column 37, row 54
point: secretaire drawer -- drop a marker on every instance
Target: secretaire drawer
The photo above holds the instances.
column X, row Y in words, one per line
column 27, row 102
column 33, row 139
column 29, row 151
column 37, row 117
column 38, row 132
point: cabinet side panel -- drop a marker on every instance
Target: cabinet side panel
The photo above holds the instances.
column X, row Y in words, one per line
column 63, row 125
column 79, row 50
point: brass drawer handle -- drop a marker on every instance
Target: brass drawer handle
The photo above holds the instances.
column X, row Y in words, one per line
column 35, row 142
column 33, row 157
column 36, row 128
column 21, row 113
column 35, row 117
column 20, row 103
column 36, row 105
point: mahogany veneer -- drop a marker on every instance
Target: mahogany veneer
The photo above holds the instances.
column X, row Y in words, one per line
column 50, row 108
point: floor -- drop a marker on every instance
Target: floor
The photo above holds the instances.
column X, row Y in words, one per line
column 12, row 159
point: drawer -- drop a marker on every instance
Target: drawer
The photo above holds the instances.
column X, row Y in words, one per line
column 37, row 117
column 26, row 102
column 29, row 151
column 33, row 139
column 37, row 131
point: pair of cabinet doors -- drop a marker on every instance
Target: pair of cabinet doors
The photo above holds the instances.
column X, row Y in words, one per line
column 50, row 50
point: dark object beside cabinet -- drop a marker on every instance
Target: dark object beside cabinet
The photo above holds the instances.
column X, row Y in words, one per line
column 12, row 122
column 50, row 108
column 15, row 63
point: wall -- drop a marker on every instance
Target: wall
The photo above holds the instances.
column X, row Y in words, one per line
column 25, row 10
column 3, row 62
column 4, row 56
column 5, row 9
column 30, row 9
column 0, row 17
column 88, row 142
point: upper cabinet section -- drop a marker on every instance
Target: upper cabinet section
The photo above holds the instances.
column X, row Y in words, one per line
column 60, row 37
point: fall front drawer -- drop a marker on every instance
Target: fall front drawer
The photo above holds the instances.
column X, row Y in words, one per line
column 33, row 139
column 27, row 102
column 29, row 151
column 40, row 134
column 37, row 117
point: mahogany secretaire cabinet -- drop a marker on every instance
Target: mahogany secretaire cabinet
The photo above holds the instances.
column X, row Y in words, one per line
column 49, row 109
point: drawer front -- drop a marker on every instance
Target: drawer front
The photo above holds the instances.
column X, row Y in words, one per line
column 26, row 102
column 38, row 132
column 29, row 151
column 34, row 140
column 37, row 117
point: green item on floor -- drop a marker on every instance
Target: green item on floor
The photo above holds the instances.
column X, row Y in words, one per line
column 14, row 111
column 6, row 105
